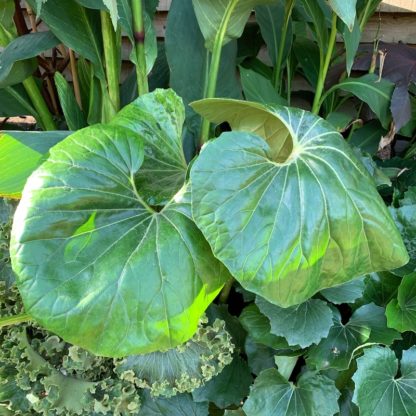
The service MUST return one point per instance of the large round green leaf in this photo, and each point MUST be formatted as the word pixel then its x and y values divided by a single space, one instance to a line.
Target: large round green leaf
pixel 99 267
pixel 289 210
pixel 158 118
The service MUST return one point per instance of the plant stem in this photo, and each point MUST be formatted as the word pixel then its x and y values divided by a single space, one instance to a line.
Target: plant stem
pixel 225 292
pixel 45 117
pixel 139 37
pixel 75 79
pixel 13 320
pixel 112 61
pixel 277 72
pixel 323 70
pixel 215 64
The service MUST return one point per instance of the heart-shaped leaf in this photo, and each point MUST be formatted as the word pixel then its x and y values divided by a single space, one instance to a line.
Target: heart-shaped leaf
pixel 96 264
pixel 258 327
pixel 303 324
pixel 367 324
pixel 289 209
pixel 401 312
pixel 379 390
pixel 272 394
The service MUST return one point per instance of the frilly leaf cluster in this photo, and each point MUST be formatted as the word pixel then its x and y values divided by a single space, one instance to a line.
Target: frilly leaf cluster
pixel 41 375
pixel 184 368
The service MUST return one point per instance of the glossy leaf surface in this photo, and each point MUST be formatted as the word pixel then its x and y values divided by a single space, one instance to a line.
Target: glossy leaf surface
pixel 379 389
pixel 158 118
pixel 303 324
pixel 346 293
pixel 20 154
pixel 228 388
pixel 76 27
pixel 254 206
pixel 345 10
pixel 374 92
pixel 272 394
pixel 367 324
pixel 22 48
pixel 258 327
pixel 74 116
pixel 401 311
pixel 99 267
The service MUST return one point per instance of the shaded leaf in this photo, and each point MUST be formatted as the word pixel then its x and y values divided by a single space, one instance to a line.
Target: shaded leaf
pixel 77 28
pixel 376 93
pixel 10 106
pixel 258 327
pixel 352 42
pixel 283 158
pixel 380 288
pixel 405 219
pixel 210 15
pixel 346 293
pixel 270 18
pixel 20 49
pixel 259 356
pixel 230 387
pixel 74 117
pixel 307 53
pixel 258 88
pixel 232 324
pixel 379 389
pixel 315 14
pixel 271 394
pixel 181 405
pixel 337 349
pixel 303 324
pixel 368 137
pixel 401 312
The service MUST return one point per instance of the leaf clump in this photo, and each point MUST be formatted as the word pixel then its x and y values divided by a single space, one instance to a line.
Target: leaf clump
pixel 184 368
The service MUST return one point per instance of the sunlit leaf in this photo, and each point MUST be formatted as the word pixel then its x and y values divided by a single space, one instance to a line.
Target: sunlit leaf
pixel 278 161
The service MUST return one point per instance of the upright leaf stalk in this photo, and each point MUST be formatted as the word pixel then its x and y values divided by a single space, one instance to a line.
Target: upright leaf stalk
pixel 45 117
pixel 324 67
pixel 139 37
pixel 112 59
pixel 215 64
pixel 277 73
